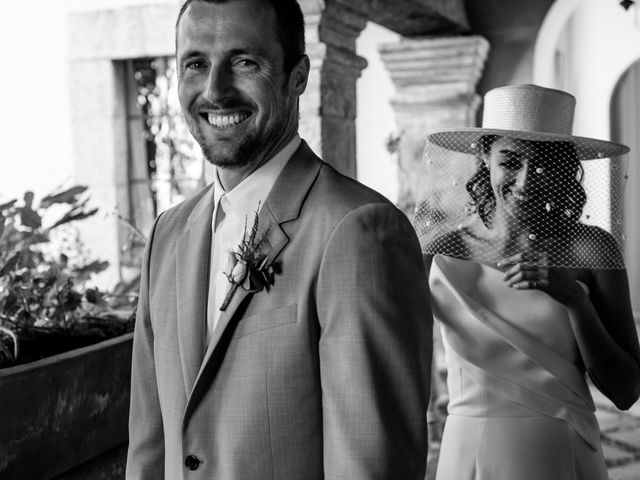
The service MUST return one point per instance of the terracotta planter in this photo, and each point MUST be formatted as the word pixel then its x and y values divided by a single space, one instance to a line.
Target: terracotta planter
pixel 61 411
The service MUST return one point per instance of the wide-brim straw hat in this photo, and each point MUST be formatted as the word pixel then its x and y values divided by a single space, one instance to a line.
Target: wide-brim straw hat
pixel 527 112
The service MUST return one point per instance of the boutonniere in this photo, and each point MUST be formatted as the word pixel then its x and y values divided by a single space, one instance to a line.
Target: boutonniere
pixel 247 264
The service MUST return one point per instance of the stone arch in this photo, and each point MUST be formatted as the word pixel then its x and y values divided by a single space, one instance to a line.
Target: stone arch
pixel 600 44
pixel 545 46
pixel 625 122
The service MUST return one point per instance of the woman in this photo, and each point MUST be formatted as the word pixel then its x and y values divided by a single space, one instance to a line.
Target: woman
pixel 529 296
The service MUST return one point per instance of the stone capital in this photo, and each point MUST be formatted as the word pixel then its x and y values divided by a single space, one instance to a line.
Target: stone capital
pixel 434 72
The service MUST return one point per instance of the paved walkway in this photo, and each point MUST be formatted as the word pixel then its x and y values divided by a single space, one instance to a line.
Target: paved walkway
pixel 620 433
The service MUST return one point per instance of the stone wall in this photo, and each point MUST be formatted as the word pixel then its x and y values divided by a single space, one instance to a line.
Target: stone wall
pixel 98 41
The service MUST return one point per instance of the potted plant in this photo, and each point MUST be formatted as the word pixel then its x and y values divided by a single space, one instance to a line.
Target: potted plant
pixel 65 347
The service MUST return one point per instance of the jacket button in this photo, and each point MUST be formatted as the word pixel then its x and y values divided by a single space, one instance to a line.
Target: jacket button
pixel 192 462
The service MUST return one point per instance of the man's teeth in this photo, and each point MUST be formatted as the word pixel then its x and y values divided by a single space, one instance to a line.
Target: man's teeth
pixel 222 121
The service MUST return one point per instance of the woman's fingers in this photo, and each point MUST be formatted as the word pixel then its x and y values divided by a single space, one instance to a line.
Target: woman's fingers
pixel 524 276
pixel 520 271
pixel 530 285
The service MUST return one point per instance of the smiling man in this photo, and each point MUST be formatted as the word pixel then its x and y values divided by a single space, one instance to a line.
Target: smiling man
pixel 306 355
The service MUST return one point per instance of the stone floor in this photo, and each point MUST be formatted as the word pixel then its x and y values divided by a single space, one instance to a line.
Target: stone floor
pixel 620 434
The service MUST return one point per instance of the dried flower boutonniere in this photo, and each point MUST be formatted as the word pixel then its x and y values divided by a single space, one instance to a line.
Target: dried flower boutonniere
pixel 247 265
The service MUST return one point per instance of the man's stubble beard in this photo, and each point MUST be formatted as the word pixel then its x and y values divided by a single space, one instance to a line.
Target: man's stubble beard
pixel 240 156
pixel 244 154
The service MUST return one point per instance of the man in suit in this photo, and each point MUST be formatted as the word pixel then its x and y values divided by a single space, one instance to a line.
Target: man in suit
pixel 308 355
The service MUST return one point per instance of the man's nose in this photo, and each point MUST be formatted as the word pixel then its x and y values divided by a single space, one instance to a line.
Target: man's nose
pixel 219 85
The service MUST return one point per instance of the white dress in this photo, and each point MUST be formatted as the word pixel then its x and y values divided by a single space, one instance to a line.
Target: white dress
pixel 519 403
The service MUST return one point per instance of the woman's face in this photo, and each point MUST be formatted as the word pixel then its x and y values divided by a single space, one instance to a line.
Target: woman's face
pixel 518 177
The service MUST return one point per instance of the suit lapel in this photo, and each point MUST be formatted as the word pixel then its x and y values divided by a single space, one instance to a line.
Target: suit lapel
pixel 192 271
pixel 282 205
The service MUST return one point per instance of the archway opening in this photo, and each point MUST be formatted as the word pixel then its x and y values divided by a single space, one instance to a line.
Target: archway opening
pixel 625 128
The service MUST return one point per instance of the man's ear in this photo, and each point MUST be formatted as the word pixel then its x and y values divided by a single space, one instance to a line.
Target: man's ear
pixel 300 75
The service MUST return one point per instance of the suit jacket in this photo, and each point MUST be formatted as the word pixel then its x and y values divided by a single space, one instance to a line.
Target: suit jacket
pixel 323 375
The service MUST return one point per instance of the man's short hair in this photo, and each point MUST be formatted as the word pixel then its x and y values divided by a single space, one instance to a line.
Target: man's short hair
pixel 290 27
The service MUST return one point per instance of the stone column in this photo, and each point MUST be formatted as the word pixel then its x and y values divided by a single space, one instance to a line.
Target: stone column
pixel 435 82
pixel 328 107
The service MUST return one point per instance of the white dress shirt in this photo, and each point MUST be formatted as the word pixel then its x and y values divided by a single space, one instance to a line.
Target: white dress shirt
pixel 238 204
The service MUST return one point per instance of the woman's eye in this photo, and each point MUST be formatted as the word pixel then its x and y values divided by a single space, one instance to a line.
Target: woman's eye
pixel 511 164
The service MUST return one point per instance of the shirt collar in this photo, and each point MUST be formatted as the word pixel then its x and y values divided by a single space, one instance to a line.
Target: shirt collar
pixel 243 200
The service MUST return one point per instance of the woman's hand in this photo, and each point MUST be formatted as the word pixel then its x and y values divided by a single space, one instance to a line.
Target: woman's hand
pixel 529 270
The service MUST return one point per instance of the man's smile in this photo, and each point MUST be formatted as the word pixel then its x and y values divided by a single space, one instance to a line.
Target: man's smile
pixel 226 120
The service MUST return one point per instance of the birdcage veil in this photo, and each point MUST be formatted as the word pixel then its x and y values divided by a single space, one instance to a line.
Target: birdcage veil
pixel 523 182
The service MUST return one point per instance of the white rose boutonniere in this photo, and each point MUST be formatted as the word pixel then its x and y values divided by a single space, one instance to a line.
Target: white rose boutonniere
pixel 246 264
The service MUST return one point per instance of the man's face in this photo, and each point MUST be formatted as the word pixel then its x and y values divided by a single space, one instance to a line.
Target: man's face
pixel 239 104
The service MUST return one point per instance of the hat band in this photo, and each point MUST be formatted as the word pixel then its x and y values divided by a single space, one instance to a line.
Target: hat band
pixel 528 123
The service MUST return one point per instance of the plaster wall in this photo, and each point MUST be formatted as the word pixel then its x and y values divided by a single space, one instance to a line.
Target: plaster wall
pixel 34 98
pixel 602 43
pixel 375 121
pixel 584 47
pixel 511 29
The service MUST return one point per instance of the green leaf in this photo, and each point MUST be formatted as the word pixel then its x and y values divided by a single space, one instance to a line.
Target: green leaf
pixel 10 265
pixel 30 218
pixel 28 198
pixel 96 266
pixel 71 217
pixel 7 205
pixel 68 196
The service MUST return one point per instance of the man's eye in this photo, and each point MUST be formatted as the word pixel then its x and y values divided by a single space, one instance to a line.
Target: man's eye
pixel 245 64
pixel 195 65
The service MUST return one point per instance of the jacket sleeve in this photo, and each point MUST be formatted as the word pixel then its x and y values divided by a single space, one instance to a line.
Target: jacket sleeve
pixel 145 456
pixel 375 348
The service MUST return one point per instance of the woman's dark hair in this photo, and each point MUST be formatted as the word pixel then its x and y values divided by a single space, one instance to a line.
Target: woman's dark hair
pixel 290 28
pixel 566 193
pixel 483 202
